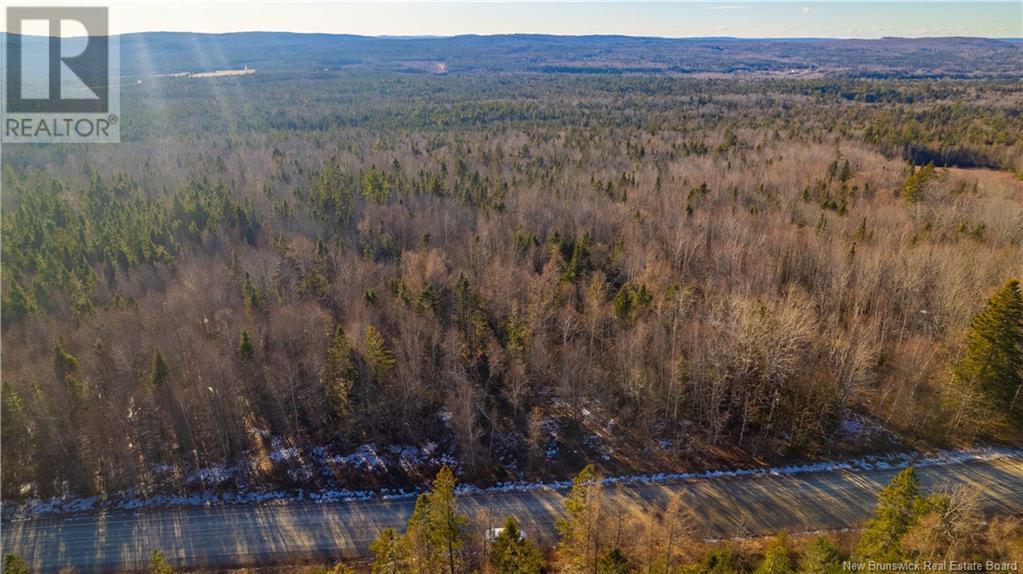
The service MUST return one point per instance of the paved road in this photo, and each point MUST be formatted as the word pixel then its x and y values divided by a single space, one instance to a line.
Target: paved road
pixel 259 534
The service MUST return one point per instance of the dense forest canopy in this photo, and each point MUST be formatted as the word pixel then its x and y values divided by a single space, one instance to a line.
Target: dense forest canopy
pixel 513 273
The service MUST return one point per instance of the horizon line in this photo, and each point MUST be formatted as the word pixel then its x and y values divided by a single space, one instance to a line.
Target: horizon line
pixel 537 34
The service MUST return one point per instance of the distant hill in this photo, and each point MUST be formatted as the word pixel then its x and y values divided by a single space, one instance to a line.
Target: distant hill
pixel 152 53
pixel 156 53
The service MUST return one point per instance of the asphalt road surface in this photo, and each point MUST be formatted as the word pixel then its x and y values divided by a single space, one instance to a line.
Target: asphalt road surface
pixel 260 534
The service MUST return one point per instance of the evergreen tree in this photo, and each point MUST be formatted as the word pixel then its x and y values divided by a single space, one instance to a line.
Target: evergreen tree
pixel 339 373
pixel 159 370
pixel 246 351
pixel 846 173
pixel 428 300
pixel 892 519
pixel 579 260
pixel 513 554
pixel 991 366
pixel 157 380
pixel 622 304
pixel 446 525
pixel 375 186
pixel 720 560
pixel 517 334
pixel 417 537
pixel 18 302
pixel 67 370
pixel 316 279
pixel 465 303
pixel 250 296
pixel 913 187
pixel 329 194
pixel 631 302
pixel 14 564
pixel 833 166
pixel 613 562
pixel 378 356
pixel 820 556
pixel 388 553
pixel 862 232
pixel 579 545
pixel 777 557
pixel 158 564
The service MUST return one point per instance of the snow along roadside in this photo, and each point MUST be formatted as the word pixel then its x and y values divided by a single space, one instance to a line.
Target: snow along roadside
pixel 74 505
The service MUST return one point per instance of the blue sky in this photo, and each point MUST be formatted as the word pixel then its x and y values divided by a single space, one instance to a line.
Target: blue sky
pixel 756 18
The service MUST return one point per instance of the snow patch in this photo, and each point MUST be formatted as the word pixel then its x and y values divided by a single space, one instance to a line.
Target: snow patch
pixel 550 429
pixel 211 475
pixel 283 454
pixel 364 458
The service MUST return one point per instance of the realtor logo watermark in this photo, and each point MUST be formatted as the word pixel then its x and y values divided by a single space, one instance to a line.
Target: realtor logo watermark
pixel 61 76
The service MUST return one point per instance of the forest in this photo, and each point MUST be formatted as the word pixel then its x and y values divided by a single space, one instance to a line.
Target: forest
pixel 353 278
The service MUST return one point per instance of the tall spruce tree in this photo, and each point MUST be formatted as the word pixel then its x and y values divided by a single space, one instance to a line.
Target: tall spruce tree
pixel 245 351
pixel 512 553
pixel 68 370
pixel 914 185
pixel 159 370
pixel 579 546
pixel 339 373
pixel 388 553
pixel 892 519
pixel 990 368
pixel 446 531
pixel 417 537
pixel 378 356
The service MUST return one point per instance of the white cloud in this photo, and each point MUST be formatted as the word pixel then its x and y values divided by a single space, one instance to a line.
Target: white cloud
pixel 807 9
pixel 726 7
